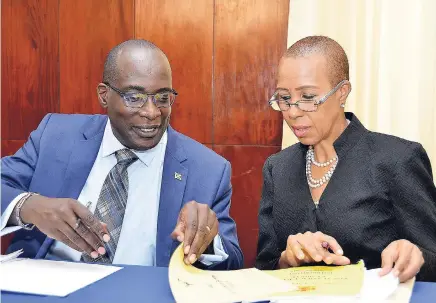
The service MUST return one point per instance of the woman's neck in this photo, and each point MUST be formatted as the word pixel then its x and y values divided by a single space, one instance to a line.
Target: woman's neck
pixel 324 150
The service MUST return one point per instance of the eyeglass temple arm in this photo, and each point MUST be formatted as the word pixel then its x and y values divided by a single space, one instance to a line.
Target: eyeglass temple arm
pixel 323 99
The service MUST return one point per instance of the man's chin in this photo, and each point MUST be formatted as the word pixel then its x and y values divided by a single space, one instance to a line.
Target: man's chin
pixel 144 144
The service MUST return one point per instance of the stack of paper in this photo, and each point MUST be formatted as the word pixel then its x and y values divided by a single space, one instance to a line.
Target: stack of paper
pixel 351 283
pixel 52 278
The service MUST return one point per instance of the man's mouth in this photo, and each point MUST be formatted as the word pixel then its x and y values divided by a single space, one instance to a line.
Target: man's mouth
pixel 146 131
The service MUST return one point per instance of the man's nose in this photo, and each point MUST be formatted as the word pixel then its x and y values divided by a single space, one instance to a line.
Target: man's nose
pixel 149 109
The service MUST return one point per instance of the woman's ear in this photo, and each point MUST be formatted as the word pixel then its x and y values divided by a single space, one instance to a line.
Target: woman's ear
pixel 345 91
pixel 102 92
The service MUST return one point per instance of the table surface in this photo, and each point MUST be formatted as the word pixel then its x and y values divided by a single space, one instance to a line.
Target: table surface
pixel 150 284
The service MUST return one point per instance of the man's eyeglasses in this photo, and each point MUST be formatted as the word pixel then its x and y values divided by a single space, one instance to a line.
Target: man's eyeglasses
pixel 137 100
pixel 280 101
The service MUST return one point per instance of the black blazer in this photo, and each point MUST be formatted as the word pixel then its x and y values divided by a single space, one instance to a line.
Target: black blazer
pixel 382 190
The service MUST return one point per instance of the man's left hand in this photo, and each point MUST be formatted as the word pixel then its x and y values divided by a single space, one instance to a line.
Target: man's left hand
pixel 407 258
pixel 197 226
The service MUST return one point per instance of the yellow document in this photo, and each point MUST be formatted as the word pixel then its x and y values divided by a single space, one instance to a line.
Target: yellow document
pixel 190 284
pixel 322 280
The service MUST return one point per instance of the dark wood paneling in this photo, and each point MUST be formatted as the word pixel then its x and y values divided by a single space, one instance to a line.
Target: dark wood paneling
pixel 9 147
pixel 250 37
pixel 30 82
pixel 184 31
pixel 247 163
pixel 88 30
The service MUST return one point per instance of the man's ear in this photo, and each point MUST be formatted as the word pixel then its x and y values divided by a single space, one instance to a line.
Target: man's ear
pixel 102 92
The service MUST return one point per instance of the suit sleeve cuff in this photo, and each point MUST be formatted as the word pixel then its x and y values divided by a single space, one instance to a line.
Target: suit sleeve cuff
pixel 219 253
pixel 7 214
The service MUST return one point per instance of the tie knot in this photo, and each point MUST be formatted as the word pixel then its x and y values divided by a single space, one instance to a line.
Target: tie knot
pixel 125 156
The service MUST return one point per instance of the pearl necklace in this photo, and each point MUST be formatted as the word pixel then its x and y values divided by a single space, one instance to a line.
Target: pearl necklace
pixel 310 159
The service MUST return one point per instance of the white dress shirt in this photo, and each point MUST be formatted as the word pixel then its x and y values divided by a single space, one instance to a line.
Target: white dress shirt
pixel 137 242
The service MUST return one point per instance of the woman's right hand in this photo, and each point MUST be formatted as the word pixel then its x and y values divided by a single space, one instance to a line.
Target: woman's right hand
pixel 308 248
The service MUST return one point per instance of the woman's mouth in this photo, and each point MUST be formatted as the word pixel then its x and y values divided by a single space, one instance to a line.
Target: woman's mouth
pixel 300 131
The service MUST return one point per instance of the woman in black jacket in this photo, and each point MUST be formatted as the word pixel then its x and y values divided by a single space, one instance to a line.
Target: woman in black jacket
pixel 343 193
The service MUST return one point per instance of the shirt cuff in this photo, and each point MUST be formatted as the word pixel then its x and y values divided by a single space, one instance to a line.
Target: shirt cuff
pixel 9 211
pixel 219 253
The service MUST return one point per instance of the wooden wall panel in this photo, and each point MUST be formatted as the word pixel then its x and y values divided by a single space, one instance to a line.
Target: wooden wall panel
pixel 30 81
pixel 9 147
pixel 88 30
pixel 247 163
pixel 249 37
pixel 184 31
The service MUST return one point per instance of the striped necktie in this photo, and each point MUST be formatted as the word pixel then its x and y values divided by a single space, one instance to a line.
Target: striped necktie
pixel 112 202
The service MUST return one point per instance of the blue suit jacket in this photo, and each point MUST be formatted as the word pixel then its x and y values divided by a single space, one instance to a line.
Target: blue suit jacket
pixel 57 159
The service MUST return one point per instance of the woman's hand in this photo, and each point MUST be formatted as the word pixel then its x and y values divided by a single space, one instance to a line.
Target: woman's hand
pixel 407 258
pixel 310 248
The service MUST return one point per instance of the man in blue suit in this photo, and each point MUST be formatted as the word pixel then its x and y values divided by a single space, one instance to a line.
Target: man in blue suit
pixel 124 188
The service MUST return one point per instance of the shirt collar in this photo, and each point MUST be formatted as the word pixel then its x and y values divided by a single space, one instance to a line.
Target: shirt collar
pixel 349 137
pixel 110 145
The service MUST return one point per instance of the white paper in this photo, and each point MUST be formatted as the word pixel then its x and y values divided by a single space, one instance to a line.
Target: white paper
pixel 374 289
pixel 51 278
pixel 11 256
pixel 8 230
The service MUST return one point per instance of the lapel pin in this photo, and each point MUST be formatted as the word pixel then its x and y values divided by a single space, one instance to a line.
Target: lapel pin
pixel 178 176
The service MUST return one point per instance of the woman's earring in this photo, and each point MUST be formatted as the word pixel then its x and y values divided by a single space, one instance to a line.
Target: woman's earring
pixel 343 105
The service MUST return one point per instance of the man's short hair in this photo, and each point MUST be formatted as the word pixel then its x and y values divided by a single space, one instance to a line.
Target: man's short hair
pixel 110 71
pixel 337 61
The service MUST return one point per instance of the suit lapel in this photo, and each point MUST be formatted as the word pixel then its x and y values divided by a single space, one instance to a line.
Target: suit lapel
pixel 174 178
pixel 82 158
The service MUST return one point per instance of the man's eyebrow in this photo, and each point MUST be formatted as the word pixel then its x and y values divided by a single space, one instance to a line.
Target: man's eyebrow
pixel 143 90
pixel 134 87
pixel 164 89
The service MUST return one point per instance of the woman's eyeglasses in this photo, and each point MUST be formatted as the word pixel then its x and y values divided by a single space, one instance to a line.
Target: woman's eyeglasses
pixel 280 100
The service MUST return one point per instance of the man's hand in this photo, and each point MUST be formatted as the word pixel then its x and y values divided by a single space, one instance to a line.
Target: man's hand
pixel 407 257
pixel 310 248
pixel 197 226
pixel 57 218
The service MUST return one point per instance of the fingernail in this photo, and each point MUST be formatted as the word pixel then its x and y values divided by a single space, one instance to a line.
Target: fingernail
pixel 180 239
pixel 106 238
pixel 318 258
pixel 300 256
pixel 101 250
pixel 328 260
pixel 187 248
pixel 340 252
pixel 396 273
pixel 94 255
pixel 192 259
